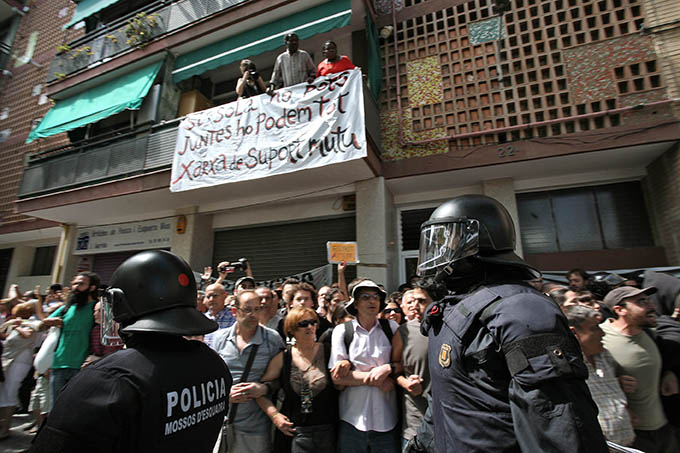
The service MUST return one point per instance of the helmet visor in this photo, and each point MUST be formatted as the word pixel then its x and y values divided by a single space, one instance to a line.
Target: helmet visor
pixel 444 243
pixel 109 327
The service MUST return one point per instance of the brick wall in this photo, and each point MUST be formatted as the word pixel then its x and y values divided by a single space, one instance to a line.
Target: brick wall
pixel 663 201
pixel 46 18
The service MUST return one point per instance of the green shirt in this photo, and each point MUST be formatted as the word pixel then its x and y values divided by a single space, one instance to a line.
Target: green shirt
pixel 74 341
pixel 638 356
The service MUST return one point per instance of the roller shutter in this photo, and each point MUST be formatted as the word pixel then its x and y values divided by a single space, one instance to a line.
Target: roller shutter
pixel 276 251
pixel 106 263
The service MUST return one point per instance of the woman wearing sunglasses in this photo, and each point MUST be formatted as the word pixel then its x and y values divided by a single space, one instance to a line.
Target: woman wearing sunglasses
pixel 394 312
pixel 309 413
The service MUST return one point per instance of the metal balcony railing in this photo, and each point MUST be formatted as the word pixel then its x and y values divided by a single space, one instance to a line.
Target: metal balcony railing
pixel 127 153
pixel 113 39
pixel 137 152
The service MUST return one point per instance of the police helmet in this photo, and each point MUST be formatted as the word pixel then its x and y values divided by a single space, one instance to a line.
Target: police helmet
pixel 469 226
pixel 155 291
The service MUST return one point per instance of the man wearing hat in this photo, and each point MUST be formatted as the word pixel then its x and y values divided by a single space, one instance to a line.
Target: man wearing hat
pixel 637 355
pixel 162 393
pixel 244 283
pixel 368 405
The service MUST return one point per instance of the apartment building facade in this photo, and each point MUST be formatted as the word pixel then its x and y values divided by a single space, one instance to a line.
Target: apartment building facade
pixel 564 110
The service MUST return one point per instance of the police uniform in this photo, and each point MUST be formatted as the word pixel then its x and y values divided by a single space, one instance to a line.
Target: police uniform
pixel 139 400
pixel 163 393
pixel 507 374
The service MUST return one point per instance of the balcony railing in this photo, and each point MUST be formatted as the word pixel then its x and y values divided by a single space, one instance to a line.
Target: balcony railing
pixel 114 39
pixel 137 152
pixel 119 155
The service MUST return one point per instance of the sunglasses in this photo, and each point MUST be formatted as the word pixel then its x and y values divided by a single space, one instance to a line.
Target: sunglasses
pixel 387 311
pixel 307 323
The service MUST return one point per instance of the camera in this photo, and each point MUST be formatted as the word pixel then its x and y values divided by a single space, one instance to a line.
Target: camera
pixel 234 266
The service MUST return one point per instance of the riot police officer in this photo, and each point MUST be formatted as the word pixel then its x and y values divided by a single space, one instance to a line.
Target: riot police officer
pixel 162 393
pixel 506 372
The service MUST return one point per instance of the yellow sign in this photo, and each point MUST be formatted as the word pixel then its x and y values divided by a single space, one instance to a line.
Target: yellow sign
pixel 342 251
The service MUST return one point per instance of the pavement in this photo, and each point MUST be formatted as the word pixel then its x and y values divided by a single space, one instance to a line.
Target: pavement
pixel 18 440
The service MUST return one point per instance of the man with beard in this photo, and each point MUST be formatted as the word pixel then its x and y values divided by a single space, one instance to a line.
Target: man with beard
pixel 636 355
pixel 76 321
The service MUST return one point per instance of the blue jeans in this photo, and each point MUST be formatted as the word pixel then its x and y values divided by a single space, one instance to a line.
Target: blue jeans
pixel 59 377
pixel 352 440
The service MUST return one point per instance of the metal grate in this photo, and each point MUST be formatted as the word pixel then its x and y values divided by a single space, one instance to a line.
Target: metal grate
pixel 61 171
pixel 160 149
pixel 127 157
pixel 93 165
pixel 525 76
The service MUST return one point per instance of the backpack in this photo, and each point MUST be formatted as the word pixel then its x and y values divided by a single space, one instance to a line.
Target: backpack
pixel 349 332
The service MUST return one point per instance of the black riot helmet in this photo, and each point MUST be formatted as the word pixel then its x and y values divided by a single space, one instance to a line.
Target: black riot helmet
pixel 155 291
pixel 464 227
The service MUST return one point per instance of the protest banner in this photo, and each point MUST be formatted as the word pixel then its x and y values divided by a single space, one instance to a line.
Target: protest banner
pixel 319 276
pixel 298 127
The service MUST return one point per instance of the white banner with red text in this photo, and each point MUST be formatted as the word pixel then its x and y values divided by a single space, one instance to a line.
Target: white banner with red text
pixel 299 127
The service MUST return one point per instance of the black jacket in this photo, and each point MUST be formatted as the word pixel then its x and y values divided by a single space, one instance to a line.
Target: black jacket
pixel 163 394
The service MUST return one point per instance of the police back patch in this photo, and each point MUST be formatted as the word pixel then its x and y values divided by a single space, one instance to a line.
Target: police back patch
pixel 445 356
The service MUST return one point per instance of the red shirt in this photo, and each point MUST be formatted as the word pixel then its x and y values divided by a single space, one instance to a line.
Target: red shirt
pixel 326 67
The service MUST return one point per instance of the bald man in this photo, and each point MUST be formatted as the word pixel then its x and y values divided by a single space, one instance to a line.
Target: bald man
pixel 215 297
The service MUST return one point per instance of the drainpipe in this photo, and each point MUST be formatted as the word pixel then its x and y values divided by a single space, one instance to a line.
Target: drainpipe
pixel 402 142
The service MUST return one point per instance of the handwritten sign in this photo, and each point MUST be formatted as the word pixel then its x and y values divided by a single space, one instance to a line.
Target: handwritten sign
pixel 149 234
pixel 299 127
pixel 342 251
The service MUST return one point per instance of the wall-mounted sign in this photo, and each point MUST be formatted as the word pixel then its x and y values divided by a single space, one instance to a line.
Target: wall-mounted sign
pixel 121 237
pixel 299 127
pixel 342 251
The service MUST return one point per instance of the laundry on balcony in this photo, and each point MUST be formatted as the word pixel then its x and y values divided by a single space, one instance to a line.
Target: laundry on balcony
pixel 125 92
pixel 319 19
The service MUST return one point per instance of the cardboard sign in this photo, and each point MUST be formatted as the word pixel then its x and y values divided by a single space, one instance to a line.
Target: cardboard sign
pixel 342 251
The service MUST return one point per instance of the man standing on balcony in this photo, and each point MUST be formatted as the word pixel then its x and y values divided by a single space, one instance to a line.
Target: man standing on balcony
pixel 292 66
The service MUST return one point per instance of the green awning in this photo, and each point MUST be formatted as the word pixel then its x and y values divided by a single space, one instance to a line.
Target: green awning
pixel 320 19
pixel 102 101
pixel 86 8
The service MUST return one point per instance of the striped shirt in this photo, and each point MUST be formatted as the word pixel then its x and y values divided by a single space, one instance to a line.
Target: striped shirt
pixel 291 69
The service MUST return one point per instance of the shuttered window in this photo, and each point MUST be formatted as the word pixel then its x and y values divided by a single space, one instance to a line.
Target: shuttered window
pixel 276 251
pixel 587 218
pixel 411 221
pixel 105 264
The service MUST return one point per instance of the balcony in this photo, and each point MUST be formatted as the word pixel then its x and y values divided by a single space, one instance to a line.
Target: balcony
pixel 144 149
pixel 135 30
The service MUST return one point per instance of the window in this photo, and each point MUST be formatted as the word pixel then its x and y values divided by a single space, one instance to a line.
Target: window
pixel 43 260
pixel 410 227
pixel 410 222
pixel 588 218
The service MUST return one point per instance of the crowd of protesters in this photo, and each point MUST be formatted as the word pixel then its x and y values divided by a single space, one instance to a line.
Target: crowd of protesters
pixel 344 367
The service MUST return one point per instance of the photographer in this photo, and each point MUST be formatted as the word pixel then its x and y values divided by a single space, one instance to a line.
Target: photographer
pixel 251 84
